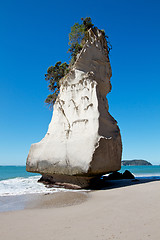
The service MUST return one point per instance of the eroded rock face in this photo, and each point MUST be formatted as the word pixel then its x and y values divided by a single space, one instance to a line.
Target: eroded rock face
pixel 83 139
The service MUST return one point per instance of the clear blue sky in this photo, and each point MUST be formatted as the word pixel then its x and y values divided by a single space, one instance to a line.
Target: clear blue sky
pixel 34 36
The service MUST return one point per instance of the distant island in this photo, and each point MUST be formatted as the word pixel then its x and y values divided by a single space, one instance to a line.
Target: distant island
pixel 135 163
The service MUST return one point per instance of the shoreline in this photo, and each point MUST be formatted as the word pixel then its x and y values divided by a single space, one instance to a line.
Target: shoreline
pixel 126 212
pixel 64 197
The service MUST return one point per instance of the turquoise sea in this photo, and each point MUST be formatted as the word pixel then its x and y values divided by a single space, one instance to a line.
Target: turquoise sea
pixel 143 171
pixel 8 172
pixel 14 180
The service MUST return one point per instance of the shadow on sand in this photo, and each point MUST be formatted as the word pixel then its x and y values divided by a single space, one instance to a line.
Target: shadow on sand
pixel 105 184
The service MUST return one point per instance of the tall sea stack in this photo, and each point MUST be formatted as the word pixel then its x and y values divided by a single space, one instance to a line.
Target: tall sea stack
pixel 83 140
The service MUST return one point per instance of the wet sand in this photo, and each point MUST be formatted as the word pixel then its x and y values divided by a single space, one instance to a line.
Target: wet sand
pixel 125 210
pixel 48 200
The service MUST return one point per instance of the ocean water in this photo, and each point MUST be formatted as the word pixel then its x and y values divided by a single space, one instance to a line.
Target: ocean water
pixel 9 172
pixel 14 180
pixel 143 171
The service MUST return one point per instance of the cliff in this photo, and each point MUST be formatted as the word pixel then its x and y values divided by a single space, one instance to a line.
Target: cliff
pixel 83 140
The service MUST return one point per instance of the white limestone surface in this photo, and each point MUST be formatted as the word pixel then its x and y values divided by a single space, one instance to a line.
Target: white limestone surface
pixel 83 139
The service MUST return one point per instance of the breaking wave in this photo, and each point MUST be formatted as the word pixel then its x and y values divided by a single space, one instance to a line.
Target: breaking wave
pixel 20 186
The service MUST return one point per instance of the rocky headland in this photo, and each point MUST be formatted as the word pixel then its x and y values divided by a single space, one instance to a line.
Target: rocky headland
pixel 135 162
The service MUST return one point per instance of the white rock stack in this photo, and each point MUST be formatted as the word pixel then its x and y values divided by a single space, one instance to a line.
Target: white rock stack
pixel 83 140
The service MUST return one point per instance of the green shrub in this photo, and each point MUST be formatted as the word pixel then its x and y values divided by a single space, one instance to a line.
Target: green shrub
pixel 53 76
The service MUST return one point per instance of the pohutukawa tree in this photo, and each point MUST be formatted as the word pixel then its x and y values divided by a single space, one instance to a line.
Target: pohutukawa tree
pixel 53 76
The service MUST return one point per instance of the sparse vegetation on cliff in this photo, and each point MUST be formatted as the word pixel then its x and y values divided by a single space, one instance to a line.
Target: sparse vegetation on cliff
pixel 77 38
pixel 53 76
pixel 77 34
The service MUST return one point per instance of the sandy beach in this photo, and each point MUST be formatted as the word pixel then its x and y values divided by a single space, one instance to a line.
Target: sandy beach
pixel 122 211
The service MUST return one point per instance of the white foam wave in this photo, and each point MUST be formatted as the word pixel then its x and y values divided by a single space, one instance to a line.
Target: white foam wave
pixel 20 186
pixel 147 175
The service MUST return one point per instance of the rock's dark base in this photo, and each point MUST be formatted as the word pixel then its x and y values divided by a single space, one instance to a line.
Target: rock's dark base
pixel 78 182
pixel 70 182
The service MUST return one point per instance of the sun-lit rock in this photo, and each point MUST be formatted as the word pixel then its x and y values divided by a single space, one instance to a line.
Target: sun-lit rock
pixel 83 140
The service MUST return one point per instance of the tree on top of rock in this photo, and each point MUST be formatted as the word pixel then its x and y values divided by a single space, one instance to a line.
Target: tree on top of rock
pixel 77 34
pixel 77 38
